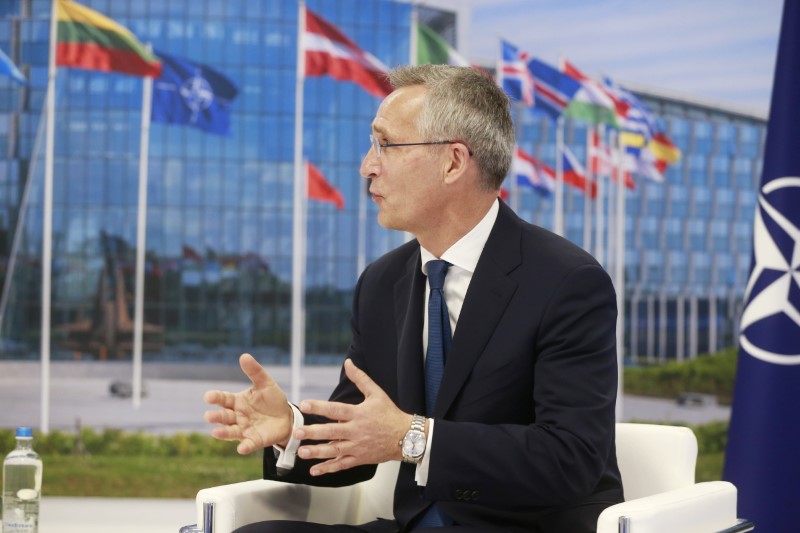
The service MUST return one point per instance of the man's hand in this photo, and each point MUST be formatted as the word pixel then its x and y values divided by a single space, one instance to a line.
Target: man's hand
pixel 257 417
pixel 367 433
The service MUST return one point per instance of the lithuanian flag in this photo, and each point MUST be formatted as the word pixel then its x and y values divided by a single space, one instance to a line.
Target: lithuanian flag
pixel 86 39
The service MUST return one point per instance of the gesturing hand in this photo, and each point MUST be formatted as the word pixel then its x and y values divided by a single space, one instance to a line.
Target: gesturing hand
pixel 367 433
pixel 257 417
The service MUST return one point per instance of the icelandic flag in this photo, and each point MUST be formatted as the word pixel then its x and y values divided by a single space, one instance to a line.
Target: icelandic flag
pixel 529 172
pixel 8 68
pixel 554 89
pixel 192 94
pixel 513 76
pixel 763 453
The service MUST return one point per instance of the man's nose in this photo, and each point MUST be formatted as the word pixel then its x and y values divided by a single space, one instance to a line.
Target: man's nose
pixel 370 165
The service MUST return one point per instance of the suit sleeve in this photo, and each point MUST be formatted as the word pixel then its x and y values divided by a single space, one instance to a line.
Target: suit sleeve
pixel 560 455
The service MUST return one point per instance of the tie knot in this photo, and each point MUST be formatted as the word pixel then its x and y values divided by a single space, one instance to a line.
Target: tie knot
pixel 437 270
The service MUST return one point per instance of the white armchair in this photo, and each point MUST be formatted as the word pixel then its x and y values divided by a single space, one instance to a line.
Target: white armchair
pixel 657 464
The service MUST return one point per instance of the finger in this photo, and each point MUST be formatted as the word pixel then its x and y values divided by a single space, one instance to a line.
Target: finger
pixel 255 372
pixel 324 451
pixel 329 432
pixel 334 465
pixel 220 398
pixel 227 433
pixel 332 410
pixel 220 416
pixel 246 447
pixel 361 379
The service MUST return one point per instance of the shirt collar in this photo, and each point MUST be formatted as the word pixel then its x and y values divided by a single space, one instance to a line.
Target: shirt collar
pixel 467 250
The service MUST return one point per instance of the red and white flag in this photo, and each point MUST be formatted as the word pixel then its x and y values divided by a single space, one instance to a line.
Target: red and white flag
pixel 320 189
pixel 330 52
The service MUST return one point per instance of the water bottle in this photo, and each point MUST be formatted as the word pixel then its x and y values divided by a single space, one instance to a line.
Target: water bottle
pixel 22 486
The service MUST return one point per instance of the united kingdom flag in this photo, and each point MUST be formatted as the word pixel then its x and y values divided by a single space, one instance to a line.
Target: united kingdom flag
pixel 513 74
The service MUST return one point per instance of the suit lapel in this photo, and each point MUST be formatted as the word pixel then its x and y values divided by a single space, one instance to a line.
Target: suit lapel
pixel 487 298
pixel 409 300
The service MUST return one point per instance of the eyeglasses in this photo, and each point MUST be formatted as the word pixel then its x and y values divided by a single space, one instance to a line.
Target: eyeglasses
pixel 377 146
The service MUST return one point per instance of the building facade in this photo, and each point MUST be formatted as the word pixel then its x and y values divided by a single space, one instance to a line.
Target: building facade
pixel 219 220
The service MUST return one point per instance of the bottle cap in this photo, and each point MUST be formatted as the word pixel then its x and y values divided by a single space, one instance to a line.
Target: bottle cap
pixel 24 432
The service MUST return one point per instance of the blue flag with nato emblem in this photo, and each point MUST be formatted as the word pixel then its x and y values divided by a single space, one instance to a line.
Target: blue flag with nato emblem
pixel 192 94
pixel 763 453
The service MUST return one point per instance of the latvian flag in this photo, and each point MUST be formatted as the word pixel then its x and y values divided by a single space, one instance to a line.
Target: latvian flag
pixel 330 52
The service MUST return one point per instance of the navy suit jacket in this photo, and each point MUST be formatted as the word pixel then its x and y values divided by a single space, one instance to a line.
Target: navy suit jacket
pixel 524 421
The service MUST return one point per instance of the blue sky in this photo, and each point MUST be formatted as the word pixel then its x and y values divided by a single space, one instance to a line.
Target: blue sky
pixel 718 50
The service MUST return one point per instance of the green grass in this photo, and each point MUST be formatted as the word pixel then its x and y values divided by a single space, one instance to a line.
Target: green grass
pixel 709 374
pixel 138 465
pixel 709 466
pixel 143 476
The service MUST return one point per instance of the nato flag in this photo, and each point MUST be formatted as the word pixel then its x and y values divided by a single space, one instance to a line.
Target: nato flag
pixel 192 94
pixel 763 454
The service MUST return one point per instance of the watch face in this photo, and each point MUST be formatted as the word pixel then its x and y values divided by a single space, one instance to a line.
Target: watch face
pixel 414 444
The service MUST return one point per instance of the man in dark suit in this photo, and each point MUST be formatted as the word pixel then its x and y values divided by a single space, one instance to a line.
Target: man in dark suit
pixel 518 430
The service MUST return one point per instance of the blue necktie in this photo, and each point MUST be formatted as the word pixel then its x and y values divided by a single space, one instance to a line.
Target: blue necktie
pixel 439 337
pixel 438 333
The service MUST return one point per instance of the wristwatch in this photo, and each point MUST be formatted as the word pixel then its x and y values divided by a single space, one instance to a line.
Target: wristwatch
pixel 413 444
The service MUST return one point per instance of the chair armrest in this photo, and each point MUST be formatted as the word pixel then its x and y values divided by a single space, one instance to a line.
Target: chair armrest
pixel 239 504
pixel 701 508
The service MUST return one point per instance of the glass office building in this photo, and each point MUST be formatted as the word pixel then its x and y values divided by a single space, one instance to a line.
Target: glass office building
pixel 687 239
pixel 219 220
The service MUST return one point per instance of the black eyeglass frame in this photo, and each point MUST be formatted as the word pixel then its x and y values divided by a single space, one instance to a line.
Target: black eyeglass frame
pixel 377 146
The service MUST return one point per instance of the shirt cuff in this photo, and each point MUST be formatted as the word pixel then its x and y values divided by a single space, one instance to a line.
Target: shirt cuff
pixel 421 475
pixel 285 456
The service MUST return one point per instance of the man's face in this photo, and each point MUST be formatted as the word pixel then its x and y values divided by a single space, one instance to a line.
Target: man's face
pixel 406 181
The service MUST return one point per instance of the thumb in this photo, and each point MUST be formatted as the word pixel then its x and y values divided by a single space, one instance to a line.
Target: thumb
pixel 255 372
pixel 361 379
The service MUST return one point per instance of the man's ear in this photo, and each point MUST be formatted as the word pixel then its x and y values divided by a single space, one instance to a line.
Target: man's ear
pixel 457 163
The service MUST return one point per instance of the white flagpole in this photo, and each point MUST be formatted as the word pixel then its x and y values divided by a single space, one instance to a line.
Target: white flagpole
pixel 613 181
pixel 299 216
pixel 47 225
pixel 619 268
pixel 587 200
pixel 599 236
pixel 141 237
pixel 558 204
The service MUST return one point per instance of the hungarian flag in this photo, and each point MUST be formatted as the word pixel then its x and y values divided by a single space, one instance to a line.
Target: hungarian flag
pixel 591 102
pixel 86 39
pixel 432 49
pixel 320 189
pixel 330 52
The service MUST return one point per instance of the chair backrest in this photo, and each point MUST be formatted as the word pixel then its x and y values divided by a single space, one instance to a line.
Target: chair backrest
pixel 654 458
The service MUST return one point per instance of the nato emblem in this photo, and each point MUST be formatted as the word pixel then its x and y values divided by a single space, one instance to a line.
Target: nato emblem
pixel 770 327
pixel 197 94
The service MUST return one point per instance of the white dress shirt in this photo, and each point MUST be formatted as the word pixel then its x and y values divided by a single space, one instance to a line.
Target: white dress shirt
pixel 463 257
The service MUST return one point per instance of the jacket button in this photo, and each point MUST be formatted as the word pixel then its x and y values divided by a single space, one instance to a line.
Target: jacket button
pixel 459 494
pixel 474 495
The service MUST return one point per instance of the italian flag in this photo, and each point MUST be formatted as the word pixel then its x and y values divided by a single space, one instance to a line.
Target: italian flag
pixel 431 48
pixel 88 40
